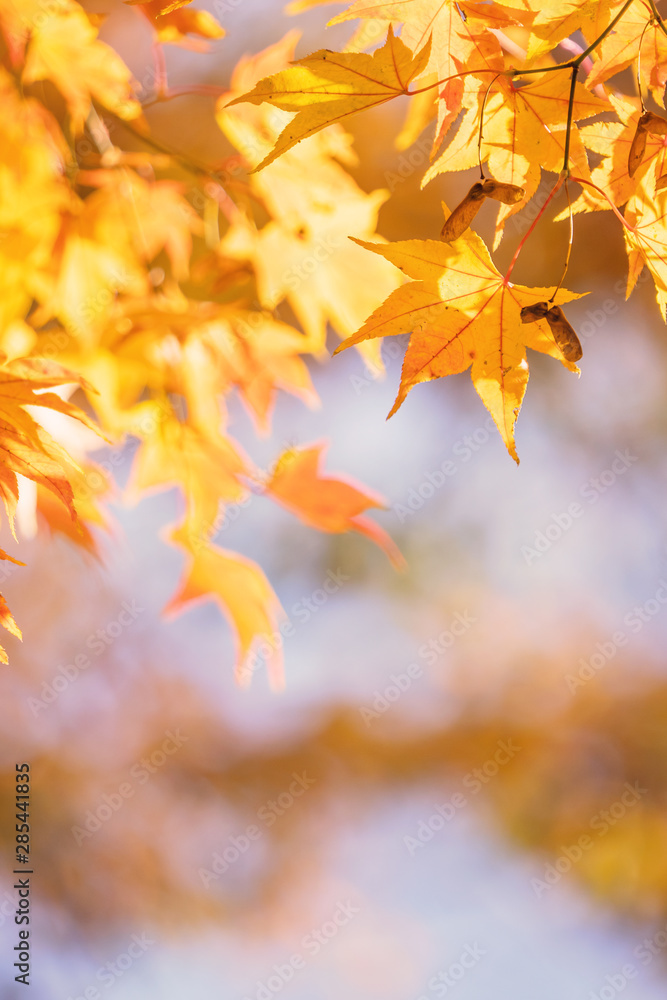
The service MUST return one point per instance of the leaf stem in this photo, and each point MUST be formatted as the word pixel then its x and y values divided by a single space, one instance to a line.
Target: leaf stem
pixel 582 180
pixel 481 127
pixel 600 38
pixel 552 193
pixel 196 169
pixel 455 76
pixel 639 66
pixel 656 15
pixel 198 90
pixel 568 127
pixel 569 245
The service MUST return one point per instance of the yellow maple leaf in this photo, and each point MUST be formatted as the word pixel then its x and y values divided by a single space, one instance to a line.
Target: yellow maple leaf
pixel 35 192
pixel 458 37
pixel 245 596
pixel 304 255
pixel 178 454
pixel 550 21
pixel 463 313
pixel 65 50
pixel 259 355
pixel 621 48
pixel 525 132
pixel 327 86
pixel 645 234
pixel 613 141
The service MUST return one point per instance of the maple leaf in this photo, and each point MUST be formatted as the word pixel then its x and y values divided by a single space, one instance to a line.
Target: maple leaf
pixel 158 7
pixel 327 86
pixel 174 22
pixel 303 254
pixel 298 6
pixel 26 448
pixel 613 141
pixel 621 48
pixel 205 464
pixel 458 37
pixel 89 485
pixel 646 235
pixel 525 131
pixel 329 503
pixel 463 313
pixel 259 355
pixel 34 195
pixel 64 49
pixel 6 618
pixel 245 597
pixel 554 20
pixel 99 255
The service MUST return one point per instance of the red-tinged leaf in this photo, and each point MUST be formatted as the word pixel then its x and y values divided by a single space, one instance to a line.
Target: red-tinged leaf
pixel 328 503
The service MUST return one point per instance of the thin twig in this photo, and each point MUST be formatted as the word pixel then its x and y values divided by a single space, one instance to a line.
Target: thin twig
pixel 639 66
pixel 656 15
pixel 481 127
pixel 570 113
pixel 569 245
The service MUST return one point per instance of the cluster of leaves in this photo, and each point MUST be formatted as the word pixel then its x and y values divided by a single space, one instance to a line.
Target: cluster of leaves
pixel 168 284
pixel 492 69
pixel 152 283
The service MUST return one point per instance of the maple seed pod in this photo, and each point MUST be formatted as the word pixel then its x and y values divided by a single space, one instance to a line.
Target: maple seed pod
pixel 530 314
pixel 648 123
pixel 463 214
pixel 509 194
pixel 564 334
pixel 654 123
pixel 637 149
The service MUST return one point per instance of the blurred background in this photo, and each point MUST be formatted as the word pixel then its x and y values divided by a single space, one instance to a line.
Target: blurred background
pixel 463 787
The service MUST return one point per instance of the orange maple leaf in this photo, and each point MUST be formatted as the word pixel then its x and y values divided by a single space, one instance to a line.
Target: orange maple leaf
pixel 329 503
pixel 463 313
pixel 173 22
pixel 245 597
